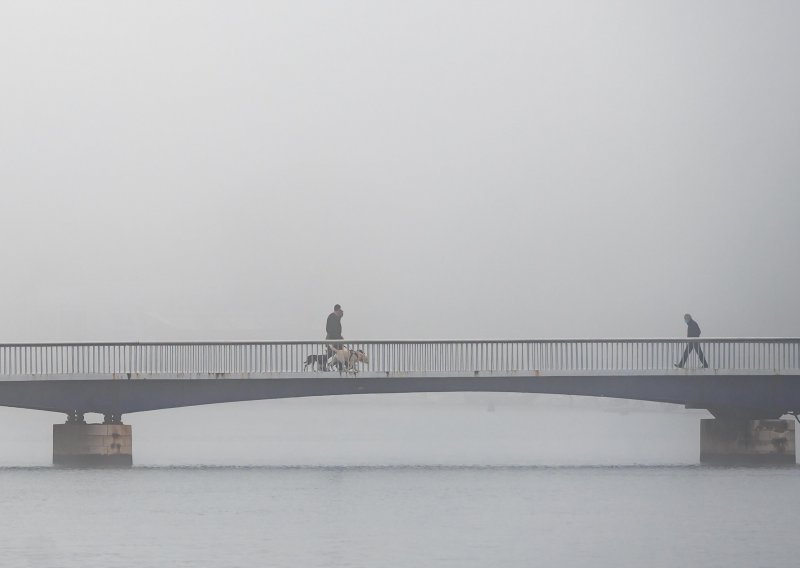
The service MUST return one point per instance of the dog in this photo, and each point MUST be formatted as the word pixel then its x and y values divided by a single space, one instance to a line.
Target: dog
pixel 346 359
pixel 361 357
pixel 316 362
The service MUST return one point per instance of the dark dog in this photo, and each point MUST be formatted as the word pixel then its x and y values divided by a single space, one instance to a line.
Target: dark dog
pixel 316 362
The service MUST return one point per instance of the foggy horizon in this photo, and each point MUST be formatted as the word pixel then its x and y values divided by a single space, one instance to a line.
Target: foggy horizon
pixel 443 170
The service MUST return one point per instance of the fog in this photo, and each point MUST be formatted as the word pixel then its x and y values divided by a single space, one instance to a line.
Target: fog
pixel 443 170
pixel 229 171
pixel 396 430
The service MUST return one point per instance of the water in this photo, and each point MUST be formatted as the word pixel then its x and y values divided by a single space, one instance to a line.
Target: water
pixel 504 484
pixel 394 516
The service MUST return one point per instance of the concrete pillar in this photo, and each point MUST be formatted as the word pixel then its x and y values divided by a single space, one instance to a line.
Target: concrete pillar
pixel 92 445
pixel 735 441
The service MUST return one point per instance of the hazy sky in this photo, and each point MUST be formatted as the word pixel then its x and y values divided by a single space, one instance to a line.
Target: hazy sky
pixel 443 169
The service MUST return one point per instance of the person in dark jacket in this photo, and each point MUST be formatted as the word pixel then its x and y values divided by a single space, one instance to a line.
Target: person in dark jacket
pixel 333 327
pixel 692 330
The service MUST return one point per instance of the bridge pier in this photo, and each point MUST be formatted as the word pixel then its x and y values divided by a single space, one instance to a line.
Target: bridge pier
pixel 739 441
pixel 77 444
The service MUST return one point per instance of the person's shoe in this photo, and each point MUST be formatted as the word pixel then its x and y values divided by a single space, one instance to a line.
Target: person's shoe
pixel 705 365
pixel 678 365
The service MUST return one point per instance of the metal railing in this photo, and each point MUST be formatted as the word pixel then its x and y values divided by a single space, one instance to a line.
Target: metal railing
pixel 579 355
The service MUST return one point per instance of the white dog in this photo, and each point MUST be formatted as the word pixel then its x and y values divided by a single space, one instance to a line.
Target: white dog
pixel 346 359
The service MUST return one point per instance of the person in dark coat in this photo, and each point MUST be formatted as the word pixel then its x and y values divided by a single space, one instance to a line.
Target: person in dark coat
pixel 333 327
pixel 692 330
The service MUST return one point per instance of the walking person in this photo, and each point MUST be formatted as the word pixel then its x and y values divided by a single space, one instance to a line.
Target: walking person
pixel 333 327
pixel 692 330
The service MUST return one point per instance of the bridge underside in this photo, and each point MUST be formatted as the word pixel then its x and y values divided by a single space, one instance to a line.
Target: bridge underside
pixel 735 395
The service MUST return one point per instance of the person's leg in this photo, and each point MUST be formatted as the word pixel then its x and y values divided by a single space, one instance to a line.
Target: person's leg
pixel 686 351
pixel 338 347
pixel 699 351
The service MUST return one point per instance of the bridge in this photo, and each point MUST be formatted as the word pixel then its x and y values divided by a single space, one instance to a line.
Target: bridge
pixel 749 383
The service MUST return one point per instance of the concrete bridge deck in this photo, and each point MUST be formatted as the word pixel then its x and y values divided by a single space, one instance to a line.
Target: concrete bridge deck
pixel 748 385
pixel 745 375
